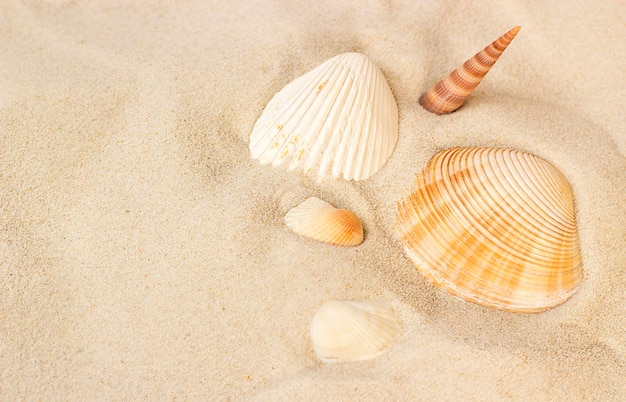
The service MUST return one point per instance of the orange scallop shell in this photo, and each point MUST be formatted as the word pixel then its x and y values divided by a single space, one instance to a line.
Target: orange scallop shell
pixel 495 227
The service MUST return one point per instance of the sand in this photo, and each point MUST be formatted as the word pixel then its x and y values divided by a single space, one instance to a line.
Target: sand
pixel 143 253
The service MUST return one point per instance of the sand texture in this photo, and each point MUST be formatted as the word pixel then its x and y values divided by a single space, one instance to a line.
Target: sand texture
pixel 143 253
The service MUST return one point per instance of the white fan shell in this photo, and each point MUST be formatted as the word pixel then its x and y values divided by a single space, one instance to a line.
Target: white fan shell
pixel 339 117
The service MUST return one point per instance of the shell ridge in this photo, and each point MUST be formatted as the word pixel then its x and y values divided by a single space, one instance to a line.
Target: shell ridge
pixel 456 215
pixel 436 216
pixel 511 213
pixel 345 136
pixel 378 147
pixel 335 160
pixel 331 160
pixel 533 197
pixel 327 136
pixel 269 122
pixel 343 231
pixel 326 231
pixel 361 130
pixel 343 158
pixel 266 124
pixel 540 193
pixel 554 186
pixel 504 191
pixel 502 203
pixel 530 200
pixel 318 115
pixel 369 162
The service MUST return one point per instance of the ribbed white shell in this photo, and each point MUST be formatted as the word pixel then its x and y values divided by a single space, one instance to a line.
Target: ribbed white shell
pixel 319 220
pixel 353 330
pixel 341 116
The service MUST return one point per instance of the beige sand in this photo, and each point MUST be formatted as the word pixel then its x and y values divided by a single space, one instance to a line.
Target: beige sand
pixel 143 253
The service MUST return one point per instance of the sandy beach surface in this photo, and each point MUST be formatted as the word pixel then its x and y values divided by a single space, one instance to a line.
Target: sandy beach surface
pixel 143 253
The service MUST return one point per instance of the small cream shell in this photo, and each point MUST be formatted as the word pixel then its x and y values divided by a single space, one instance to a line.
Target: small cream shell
pixel 319 220
pixel 339 117
pixel 353 330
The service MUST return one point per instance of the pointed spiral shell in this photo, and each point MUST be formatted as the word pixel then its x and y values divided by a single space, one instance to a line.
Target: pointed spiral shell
pixel 449 94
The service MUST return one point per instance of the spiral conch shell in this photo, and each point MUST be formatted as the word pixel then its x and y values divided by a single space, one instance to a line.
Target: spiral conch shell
pixel 340 117
pixel 321 221
pixel 495 227
pixel 449 94
pixel 353 330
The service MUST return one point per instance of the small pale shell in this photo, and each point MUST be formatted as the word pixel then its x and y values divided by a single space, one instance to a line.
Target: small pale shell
pixel 495 227
pixel 353 330
pixel 340 117
pixel 449 94
pixel 319 220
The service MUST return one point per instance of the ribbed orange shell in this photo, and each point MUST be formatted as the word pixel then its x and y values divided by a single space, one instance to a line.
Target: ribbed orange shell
pixel 319 220
pixel 495 227
pixel 449 94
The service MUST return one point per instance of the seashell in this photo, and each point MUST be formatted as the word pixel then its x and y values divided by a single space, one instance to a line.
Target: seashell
pixel 495 227
pixel 319 220
pixel 449 94
pixel 341 116
pixel 353 330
